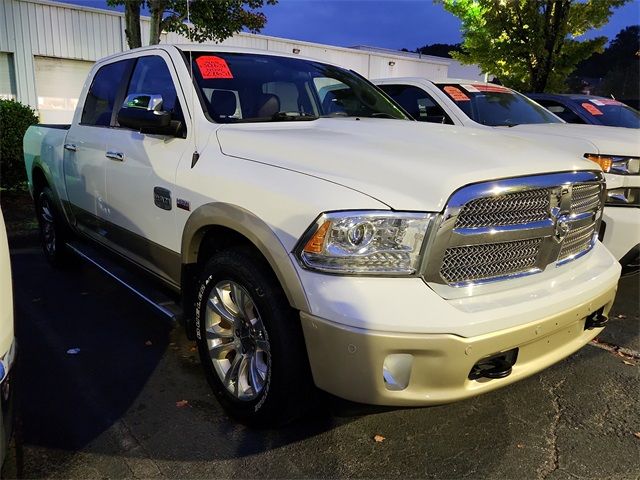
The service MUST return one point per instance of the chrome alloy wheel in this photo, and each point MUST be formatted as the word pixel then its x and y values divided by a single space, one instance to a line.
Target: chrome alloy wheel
pixel 46 225
pixel 237 340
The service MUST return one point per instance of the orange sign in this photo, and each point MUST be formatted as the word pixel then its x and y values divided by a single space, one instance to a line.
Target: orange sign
pixel 593 110
pixel 213 67
pixel 456 94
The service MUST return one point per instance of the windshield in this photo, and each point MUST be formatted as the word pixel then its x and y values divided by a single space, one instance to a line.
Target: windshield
pixel 496 106
pixel 240 87
pixel 611 112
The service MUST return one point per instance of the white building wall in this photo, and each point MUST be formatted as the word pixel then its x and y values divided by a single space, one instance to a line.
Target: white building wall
pixel 43 28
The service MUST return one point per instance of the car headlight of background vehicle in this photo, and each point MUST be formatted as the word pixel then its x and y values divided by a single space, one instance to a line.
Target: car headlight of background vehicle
pixel 626 196
pixel 365 242
pixel 617 164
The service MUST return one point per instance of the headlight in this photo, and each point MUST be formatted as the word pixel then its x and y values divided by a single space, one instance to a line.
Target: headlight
pixel 369 243
pixel 616 163
pixel 629 197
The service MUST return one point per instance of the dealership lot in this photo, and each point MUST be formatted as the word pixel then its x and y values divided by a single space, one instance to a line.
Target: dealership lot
pixel 132 402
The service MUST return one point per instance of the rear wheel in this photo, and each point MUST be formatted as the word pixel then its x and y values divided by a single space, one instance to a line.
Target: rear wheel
pixel 250 341
pixel 53 231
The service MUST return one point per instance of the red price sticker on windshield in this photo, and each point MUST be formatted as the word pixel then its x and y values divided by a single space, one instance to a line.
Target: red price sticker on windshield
pixel 213 67
pixel 592 109
pixel 457 94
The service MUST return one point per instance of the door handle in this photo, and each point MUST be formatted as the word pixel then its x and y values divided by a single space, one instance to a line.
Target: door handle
pixel 70 146
pixel 118 156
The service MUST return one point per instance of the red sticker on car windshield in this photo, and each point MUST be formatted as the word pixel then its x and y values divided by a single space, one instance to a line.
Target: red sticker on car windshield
pixel 484 87
pixel 456 94
pixel 213 67
pixel 593 110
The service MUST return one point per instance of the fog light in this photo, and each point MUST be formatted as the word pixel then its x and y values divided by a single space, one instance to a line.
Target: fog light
pixel 396 371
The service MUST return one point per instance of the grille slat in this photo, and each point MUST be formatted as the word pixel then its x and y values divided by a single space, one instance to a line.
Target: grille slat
pixel 508 209
pixel 585 197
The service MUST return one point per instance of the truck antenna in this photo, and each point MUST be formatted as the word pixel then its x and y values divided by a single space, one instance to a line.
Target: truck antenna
pixel 196 156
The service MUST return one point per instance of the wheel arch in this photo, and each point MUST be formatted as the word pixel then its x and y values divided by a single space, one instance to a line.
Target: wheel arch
pixel 242 227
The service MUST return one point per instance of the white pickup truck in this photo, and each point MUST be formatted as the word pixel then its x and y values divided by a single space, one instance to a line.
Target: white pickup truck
pixel 314 236
pixel 480 105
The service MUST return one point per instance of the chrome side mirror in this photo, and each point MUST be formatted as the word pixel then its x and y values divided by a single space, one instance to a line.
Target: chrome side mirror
pixel 144 101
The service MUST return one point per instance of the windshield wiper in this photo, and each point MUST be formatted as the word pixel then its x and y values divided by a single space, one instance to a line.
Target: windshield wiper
pixel 286 116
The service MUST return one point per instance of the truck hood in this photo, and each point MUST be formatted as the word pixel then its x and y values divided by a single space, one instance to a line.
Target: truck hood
pixel 406 165
pixel 606 140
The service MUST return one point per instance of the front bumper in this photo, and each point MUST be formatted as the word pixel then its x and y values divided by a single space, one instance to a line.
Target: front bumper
pixel 621 235
pixel 349 362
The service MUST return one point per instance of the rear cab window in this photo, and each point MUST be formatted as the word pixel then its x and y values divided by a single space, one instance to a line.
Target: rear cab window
pixel 98 109
pixel 495 105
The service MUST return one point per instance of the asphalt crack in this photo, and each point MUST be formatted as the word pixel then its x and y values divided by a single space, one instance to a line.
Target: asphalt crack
pixel 553 463
pixel 623 352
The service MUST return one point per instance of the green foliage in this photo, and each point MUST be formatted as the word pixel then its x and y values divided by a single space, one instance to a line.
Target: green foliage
pixel 618 66
pixel 211 20
pixel 439 49
pixel 15 118
pixel 530 45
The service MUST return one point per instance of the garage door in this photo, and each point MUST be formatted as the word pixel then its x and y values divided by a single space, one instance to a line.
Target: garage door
pixel 59 82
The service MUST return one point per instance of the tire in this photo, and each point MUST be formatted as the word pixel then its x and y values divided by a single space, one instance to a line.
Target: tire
pixel 53 231
pixel 254 358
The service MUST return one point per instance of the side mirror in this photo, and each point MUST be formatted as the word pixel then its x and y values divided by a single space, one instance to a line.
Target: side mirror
pixel 143 112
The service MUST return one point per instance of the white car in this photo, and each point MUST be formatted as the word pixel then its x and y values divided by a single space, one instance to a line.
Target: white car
pixel 475 104
pixel 314 235
pixel 7 344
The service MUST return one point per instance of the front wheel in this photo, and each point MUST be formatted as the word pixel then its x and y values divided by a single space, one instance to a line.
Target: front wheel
pixel 250 341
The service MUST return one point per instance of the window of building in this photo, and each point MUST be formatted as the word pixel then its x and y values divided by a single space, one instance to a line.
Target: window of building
pixel 7 77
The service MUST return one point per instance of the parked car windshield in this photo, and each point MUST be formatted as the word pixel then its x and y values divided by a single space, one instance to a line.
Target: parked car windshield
pixel 496 106
pixel 240 87
pixel 611 112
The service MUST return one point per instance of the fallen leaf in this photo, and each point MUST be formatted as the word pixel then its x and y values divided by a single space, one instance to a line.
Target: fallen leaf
pixel 148 343
pixel 378 438
pixel 520 445
pixel 637 434
pixel 73 351
pixel 192 349
pixel 627 362
pixel 182 403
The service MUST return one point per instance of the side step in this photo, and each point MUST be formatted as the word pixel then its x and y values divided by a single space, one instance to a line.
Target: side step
pixel 129 278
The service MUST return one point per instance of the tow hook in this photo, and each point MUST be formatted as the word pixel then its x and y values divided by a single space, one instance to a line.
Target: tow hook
pixel 495 366
pixel 596 320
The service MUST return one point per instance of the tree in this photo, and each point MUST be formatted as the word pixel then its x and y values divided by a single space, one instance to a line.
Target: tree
pixel 439 49
pixel 530 45
pixel 210 20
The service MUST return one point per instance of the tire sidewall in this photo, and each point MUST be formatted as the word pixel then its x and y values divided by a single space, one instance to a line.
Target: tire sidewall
pixel 54 257
pixel 235 267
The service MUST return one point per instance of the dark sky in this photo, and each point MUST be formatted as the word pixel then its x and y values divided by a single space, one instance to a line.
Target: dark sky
pixel 381 23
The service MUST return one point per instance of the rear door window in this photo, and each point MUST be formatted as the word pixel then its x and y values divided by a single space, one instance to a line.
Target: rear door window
pixel 98 107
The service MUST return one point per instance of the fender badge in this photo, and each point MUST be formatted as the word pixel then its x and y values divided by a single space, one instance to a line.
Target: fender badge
pixel 183 204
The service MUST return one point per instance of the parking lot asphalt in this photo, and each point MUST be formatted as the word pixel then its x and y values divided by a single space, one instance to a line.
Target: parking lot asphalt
pixel 132 403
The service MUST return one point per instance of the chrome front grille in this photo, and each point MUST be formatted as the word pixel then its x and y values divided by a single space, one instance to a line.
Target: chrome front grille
pixel 509 209
pixel 514 227
pixel 472 262
pixel 579 239
pixel 585 197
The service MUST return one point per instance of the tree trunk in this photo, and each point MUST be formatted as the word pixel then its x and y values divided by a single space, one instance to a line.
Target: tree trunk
pixel 157 8
pixel 132 23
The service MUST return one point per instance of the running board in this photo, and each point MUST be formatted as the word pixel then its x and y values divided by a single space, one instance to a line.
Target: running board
pixel 135 283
